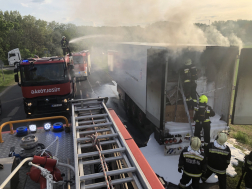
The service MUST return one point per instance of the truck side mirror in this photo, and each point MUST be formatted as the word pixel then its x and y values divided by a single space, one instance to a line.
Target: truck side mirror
pixel 16 78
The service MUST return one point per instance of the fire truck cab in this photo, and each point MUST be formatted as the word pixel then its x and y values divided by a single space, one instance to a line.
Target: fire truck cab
pixel 82 64
pixel 47 84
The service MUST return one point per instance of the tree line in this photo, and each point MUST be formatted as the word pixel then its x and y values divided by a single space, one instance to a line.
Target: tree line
pixel 38 37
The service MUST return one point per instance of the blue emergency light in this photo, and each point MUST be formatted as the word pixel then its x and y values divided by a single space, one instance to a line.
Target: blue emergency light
pixel 22 131
pixel 58 127
pixel 25 61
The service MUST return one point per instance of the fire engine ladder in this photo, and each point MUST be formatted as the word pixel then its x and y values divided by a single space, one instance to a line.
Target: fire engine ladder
pixel 180 87
pixel 90 117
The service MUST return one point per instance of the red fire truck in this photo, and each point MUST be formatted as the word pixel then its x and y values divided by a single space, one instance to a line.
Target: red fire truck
pixel 82 64
pixel 47 84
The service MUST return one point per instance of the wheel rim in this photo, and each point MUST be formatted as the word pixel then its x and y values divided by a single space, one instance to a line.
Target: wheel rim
pixel 127 107
pixel 140 117
pixel 133 109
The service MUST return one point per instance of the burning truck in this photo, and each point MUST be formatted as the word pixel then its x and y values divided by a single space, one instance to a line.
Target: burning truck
pixel 148 81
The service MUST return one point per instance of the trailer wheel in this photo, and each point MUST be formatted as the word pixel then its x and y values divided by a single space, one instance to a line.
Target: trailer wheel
pixel 127 105
pixel 133 110
pixel 16 64
pixel 88 70
pixel 141 118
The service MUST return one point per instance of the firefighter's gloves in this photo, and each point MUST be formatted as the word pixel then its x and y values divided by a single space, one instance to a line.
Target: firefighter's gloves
pixel 180 169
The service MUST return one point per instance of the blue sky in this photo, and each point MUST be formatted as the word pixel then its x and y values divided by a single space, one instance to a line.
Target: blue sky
pixel 130 12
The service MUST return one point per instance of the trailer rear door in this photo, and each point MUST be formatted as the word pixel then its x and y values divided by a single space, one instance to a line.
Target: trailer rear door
pixel 242 102
pixel 157 65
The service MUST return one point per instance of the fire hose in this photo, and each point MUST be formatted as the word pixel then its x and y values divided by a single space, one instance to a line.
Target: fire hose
pixel 97 144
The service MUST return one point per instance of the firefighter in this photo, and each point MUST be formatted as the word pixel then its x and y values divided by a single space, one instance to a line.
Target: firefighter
pixel 192 162
pixel 64 46
pixel 201 117
pixel 218 160
pixel 189 76
pixel 248 170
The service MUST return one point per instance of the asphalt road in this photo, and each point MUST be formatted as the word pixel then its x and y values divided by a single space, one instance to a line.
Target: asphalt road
pixel 99 84
pixel 9 68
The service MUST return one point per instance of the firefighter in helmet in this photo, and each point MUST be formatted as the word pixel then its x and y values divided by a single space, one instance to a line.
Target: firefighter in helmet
pixel 218 160
pixel 202 115
pixel 64 46
pixel 192 162
pixel 247 170
pixel 189 75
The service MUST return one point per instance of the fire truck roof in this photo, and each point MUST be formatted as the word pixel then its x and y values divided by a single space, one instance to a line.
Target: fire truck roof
pixel 46 60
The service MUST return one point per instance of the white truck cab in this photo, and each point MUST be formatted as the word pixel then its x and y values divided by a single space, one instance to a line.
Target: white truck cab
pixel 14 57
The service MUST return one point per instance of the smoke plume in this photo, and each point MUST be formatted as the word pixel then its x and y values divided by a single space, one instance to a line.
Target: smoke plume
pixel 176 20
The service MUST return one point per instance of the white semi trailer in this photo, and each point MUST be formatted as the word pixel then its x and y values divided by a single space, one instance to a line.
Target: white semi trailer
pixel 147 77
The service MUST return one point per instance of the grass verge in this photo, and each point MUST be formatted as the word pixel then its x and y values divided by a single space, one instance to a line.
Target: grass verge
pixel 233 181
pixel 243 134
pixel 8 79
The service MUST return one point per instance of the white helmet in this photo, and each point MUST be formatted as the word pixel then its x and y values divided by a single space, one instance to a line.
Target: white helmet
pixel 195 143
pixel 222 138
pixel 188 62
pixel 63 37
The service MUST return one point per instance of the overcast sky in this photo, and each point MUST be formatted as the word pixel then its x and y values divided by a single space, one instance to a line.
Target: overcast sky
pixel 130 12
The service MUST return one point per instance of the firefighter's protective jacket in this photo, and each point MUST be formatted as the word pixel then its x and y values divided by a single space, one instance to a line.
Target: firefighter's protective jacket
pixel 218 158
pixel 193 163
pixel 248 163
pixel 64 43
pixel 188 73
pixel 203 112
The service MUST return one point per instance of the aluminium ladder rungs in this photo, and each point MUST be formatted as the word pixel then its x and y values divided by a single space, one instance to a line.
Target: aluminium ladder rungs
pixel 92 121
pixel 101 143
pixel 87 109
pixel 91 116
pixel 99 161
pixel 114 182
pixel 89 154
pixel 87 122
pixel 109 173
pixel 95 125
pixel 93 131
pixel 99 137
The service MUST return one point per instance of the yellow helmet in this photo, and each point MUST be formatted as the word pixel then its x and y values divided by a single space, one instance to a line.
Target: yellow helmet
pixel 195 143
pixel 203 99
pixel 222 138
pixel 188 62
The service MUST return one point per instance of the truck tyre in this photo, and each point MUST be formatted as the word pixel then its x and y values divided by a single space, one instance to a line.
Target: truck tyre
pixel 141 118
pixel 15 64
pixel 127 106
pixel 133 110
pixel 88 70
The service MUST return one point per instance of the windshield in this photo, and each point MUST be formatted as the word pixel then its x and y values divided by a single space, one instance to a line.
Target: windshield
pixel 79 59
pixel 43 73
